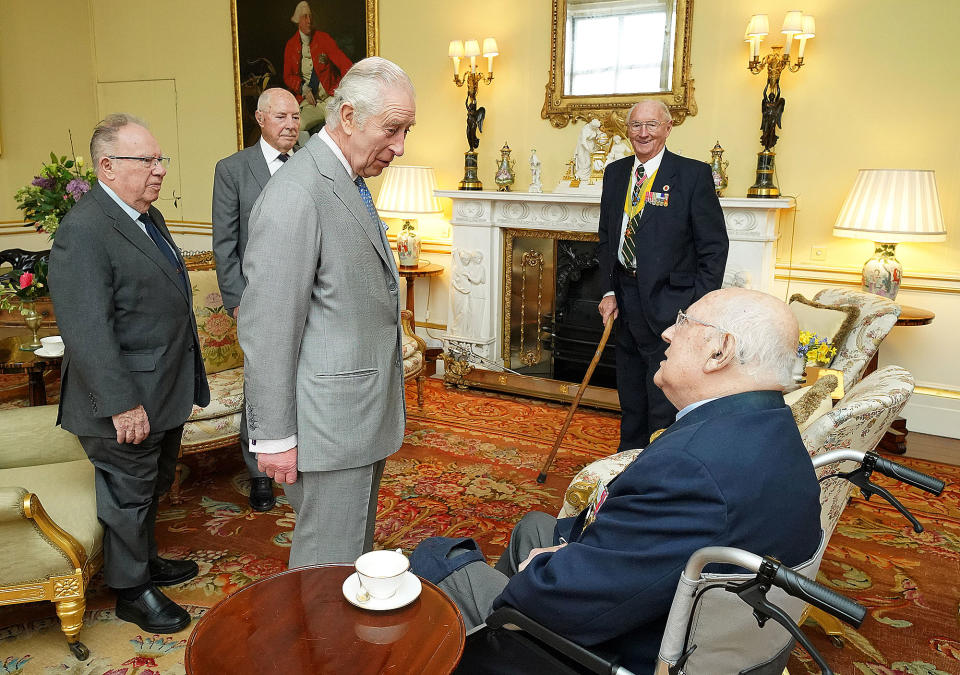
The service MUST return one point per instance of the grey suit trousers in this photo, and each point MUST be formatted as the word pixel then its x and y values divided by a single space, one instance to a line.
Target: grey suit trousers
pixel 475 586
pixel 336 514
pixel 130 479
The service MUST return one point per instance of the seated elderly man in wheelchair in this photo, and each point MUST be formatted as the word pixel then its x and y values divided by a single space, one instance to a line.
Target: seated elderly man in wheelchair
pixel 731 471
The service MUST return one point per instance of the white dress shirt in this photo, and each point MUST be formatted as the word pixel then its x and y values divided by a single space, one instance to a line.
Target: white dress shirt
pixel 271 156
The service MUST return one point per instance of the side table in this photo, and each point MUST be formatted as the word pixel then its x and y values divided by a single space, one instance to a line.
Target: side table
pixel 15 360
pixel 895 440
pixel 423 269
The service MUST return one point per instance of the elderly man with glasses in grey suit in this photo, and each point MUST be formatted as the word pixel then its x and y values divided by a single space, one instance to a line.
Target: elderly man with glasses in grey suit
pixel 319 319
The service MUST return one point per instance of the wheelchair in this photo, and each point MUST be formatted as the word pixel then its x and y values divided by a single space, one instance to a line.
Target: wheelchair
pixel 708 629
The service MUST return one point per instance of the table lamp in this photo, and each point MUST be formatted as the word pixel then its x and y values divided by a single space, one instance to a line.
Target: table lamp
pixel 407 192
pixel 888 206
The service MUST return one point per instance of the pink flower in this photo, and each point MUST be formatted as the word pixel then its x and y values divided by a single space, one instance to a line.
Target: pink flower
pixel 26 279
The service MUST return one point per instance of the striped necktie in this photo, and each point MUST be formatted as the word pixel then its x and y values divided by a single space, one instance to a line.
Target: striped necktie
pixel 628 252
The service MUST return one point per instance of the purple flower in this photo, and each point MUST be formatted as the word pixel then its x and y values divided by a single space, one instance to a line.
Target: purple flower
pixel 45 183
pixel 78 187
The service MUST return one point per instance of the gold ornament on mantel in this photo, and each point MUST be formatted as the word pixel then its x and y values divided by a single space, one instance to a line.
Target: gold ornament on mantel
pixel 718 167
pixel 506 173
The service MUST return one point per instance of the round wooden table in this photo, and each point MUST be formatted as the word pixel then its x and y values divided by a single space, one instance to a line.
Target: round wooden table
pixel 16 360
pixel 298 622
pixel 423 269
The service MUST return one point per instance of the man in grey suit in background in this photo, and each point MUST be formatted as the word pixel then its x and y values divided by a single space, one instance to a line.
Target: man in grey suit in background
pixel 132 369
pixel 319 320
pixel 237 182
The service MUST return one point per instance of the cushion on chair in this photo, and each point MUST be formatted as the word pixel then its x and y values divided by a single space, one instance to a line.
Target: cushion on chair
pixel 226 395
pixel 584 483
pixel 66 491
pixel 832 323
pixel 809 403
pixel 30 436
pixel 216 328
pixel 412 364
pixel 218 430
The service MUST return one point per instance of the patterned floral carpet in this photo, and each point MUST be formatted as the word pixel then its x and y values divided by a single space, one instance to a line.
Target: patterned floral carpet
pixel 468 466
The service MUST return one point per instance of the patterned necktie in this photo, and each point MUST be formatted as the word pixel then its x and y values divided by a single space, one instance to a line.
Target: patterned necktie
pixel 283 157
pixel 154 233
pixel 367 199
pixel 628 252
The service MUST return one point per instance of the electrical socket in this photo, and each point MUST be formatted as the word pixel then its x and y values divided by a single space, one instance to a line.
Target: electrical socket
pixel 818 253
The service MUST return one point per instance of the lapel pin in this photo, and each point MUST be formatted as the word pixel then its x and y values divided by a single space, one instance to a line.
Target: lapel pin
pixel 666 188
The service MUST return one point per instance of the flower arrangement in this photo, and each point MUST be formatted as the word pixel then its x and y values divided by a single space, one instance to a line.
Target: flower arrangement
pixel 20 287
pixel 816 350
pixel 54 192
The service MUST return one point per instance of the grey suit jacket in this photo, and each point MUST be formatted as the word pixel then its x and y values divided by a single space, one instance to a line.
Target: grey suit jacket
pixel 320 318
pixel 126 319
pixel 237 182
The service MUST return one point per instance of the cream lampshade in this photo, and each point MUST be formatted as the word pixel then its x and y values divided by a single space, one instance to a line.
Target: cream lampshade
pixel 407 192
pixel 888 206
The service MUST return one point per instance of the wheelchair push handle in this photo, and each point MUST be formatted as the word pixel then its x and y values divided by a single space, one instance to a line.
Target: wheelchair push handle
pixel 909 476
pixel 820 596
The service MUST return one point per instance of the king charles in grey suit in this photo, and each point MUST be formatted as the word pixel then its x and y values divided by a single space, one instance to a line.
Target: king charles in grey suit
pixel 319 319
pixel 132 368
pixel 237 183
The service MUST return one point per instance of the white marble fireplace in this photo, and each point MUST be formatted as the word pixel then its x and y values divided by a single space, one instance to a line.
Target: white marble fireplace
pixel 475 322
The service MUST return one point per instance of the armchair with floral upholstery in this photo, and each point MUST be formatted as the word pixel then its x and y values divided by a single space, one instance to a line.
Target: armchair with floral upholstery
pixel 412 350
pixel 52 540
pixel 217 425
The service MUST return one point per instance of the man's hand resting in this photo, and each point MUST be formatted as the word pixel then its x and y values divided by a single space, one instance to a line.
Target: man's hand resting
pixel 280 466
pixel 607 307
pixel 132 426
pixel 534 552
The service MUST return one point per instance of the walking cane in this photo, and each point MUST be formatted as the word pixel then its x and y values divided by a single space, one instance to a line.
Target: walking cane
pixel 576 399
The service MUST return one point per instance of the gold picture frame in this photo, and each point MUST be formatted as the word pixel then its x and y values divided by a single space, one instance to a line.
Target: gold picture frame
pixel 347 13
pixel 561 109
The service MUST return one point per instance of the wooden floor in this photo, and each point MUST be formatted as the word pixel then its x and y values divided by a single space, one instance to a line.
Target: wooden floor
pixel 933 448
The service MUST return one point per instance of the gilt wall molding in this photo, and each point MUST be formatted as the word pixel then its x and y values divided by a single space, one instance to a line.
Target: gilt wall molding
pixel 929 282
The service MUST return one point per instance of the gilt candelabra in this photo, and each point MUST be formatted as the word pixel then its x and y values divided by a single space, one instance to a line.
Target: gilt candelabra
pixel 796 25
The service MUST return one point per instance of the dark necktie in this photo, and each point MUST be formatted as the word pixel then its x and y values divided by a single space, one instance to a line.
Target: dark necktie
pixel 283 157
pixel 164 247
pixel 628 253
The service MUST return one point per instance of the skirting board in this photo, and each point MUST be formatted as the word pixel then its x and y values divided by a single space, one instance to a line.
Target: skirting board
pixel 935 415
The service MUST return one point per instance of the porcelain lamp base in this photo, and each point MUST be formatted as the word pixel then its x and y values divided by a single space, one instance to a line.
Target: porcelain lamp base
pixel 882 273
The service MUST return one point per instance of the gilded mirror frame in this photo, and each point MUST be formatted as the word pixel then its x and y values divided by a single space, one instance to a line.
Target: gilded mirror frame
pixel 372 37
pixel 561 109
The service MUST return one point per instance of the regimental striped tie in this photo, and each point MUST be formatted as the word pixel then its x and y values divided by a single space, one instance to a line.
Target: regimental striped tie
pixel 628 252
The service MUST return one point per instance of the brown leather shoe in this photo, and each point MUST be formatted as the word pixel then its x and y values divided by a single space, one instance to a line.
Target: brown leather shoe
pixel 153 612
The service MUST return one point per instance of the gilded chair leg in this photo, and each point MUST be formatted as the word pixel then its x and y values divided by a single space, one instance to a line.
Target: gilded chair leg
pixel 71 620
pixel 420 391
pixel 829 624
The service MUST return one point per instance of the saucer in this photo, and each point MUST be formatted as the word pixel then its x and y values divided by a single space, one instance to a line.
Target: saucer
pixel 49 353
pixel 408 592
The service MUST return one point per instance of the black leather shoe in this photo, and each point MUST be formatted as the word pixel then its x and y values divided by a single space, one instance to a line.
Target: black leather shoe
pixel 167 572
pixel 261 494
pixel 153 612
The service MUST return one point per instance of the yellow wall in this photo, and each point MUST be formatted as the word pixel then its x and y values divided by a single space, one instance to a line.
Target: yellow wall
pixel 877 91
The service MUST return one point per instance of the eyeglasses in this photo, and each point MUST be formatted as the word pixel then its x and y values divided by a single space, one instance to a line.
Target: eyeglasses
pixel 146 162
pixel 651 125
pixel 683 318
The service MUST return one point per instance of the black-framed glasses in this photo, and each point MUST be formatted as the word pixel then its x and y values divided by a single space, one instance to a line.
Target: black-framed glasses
pixel 146 162
pixel 651 125
pixel 683 317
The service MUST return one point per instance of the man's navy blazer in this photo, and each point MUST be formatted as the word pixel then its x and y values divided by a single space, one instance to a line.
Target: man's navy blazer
pixel 732 472
pixel 681 247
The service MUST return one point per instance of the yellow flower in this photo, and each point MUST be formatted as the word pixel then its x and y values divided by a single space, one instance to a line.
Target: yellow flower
pixel 79 161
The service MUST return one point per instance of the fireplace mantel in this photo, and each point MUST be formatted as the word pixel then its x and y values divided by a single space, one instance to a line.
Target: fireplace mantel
pixel 475 319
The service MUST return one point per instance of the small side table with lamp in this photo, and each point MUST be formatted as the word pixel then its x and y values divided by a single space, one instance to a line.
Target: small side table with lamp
pixel 407 192
pixel 889 206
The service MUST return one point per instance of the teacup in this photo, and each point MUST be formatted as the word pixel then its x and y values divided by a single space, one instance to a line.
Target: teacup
pixel 381 572
pixel 53 343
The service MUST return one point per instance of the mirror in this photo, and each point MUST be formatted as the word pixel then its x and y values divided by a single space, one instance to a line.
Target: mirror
pixel 606 54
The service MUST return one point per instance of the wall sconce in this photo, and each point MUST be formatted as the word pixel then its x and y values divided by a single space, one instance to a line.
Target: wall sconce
pixel 472 78
pixel 796 25
pixel 888 206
